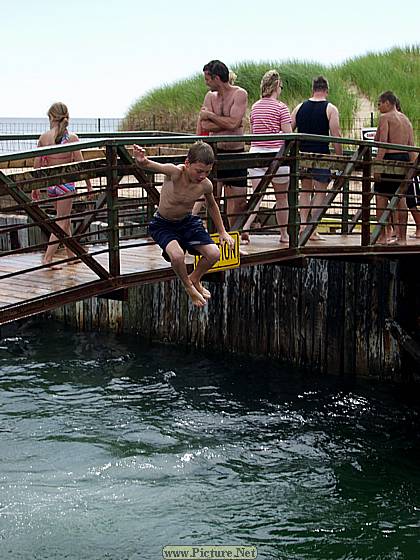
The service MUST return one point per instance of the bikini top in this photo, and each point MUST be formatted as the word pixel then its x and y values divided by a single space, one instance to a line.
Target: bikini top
pixel 65 139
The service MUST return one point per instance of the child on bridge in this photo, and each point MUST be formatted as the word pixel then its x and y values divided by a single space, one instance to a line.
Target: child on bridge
pixel 174 228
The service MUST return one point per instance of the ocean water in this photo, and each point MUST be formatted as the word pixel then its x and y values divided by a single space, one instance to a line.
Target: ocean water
pixel 39 125
pixel 112 448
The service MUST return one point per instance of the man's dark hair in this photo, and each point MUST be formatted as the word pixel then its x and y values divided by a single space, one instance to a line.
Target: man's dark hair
pixel 388 96
pixel 217 68
pixel 320 84
pixel 200 152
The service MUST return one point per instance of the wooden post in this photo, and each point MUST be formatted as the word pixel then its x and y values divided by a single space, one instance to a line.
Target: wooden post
pixel 293 196
pixel 112 207
pixel 366 196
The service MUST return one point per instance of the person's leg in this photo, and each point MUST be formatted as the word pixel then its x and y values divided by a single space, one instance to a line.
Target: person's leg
pixel 63 207
pixel 251 218
pixel 416 217
pixel 381 204
pixel 210 255
pixel 282 209
pixel 177 258
pixel 236 205
pixel 305 201
pixel 402 215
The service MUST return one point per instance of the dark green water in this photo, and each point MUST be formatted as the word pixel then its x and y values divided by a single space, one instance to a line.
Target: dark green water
pixel 111 449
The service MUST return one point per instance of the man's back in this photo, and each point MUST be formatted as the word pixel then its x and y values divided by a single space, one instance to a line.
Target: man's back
pixel 395 128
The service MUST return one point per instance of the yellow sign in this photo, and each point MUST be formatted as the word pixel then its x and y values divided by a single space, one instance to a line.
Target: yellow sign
pixel 229 258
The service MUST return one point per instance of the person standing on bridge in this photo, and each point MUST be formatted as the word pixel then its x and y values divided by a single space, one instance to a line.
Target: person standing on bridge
pixel 271 116
pixel 394 128
pixel 61 195
pixel 222 114
pixel 316 115
pixel 174 228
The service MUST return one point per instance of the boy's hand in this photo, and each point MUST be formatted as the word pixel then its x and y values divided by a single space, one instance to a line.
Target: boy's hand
pixel 139 154
pixel 226 238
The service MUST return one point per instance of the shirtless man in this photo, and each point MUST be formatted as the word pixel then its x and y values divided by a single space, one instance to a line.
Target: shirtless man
pixel 174 228
pixel 222 114
pixel 316 116
pixel 394 128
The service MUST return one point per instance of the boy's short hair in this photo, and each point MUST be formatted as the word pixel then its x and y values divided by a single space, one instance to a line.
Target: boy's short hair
pixel 388 96
pixel 200 152
pixel 217 68
pixel 320 84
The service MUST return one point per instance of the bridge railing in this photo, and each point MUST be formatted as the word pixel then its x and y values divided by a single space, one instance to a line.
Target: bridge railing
pixel 126 196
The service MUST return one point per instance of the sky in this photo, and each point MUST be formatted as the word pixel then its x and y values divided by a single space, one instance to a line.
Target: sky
pixel 99 57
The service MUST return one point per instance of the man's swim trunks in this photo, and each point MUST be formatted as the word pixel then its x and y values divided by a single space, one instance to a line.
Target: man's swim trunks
pixel 389 182
pixel 189 232
pixel 232 177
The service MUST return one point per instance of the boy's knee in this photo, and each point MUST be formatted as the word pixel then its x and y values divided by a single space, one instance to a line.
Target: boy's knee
pixel 214 254
pixel 176 256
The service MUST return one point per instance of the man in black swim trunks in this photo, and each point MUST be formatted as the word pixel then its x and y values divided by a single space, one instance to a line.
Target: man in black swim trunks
pixel 394 128
pixel 222 113
pixel 174 228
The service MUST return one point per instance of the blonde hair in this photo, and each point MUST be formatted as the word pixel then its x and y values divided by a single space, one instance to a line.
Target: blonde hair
pixel 269 83
pixel 232 77
pixel 59 115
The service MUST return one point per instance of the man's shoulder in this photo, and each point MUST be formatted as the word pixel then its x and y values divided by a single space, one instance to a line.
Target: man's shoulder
pixel 239 92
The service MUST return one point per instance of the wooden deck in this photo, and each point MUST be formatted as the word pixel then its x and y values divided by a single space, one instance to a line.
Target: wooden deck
pixel 39 290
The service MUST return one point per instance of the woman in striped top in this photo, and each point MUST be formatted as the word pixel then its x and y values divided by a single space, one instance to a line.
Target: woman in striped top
pixel 270 116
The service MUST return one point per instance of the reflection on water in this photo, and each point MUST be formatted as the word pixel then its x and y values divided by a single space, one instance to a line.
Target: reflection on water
pixel 110 448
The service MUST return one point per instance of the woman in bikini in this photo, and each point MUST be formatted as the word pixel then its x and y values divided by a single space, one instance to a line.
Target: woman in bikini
pixel 60 194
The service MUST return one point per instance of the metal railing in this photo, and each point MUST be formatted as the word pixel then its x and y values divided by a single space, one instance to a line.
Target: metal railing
pixel 126 197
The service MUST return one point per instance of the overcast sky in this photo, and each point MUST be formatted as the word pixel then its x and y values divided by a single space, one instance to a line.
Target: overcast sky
pixel 100 56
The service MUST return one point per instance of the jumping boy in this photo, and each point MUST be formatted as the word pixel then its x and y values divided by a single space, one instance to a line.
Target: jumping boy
pixel 174 228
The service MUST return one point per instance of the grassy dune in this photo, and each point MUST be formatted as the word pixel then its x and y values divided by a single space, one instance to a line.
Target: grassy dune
pixel 175 106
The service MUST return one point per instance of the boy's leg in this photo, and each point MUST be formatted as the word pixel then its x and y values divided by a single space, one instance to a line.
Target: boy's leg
pixel 177 257
pixel 210 255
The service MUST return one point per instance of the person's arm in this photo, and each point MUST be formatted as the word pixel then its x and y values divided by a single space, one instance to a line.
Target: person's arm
pixel 286 127
pixel 382 136
pixel 214 213
pixel 78 156
pixel 168 169
pixel 293 116
pixel 334 124
pixel 237 112
pixel 410 142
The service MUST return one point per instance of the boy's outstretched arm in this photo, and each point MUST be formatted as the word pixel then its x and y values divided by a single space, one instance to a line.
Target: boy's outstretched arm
pixel 214 212
pixel 139 154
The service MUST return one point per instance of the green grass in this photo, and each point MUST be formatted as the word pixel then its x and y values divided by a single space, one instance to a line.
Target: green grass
pixel 175 106
pixel 397 70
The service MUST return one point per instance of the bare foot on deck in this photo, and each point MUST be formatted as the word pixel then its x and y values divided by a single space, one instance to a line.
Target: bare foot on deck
pixel 201 289
pixel 51 266
pixel 284 239
pixel 316 237
pixel 197 299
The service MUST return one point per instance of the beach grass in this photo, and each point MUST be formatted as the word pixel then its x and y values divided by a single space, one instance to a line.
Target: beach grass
pixel 175 106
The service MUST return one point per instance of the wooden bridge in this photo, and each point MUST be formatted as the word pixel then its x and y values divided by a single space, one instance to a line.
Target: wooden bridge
pixel 110 241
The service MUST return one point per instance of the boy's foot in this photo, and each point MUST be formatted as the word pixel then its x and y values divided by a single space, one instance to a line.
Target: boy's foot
pixel 197 299
pixel 201 289
pixel 284 239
